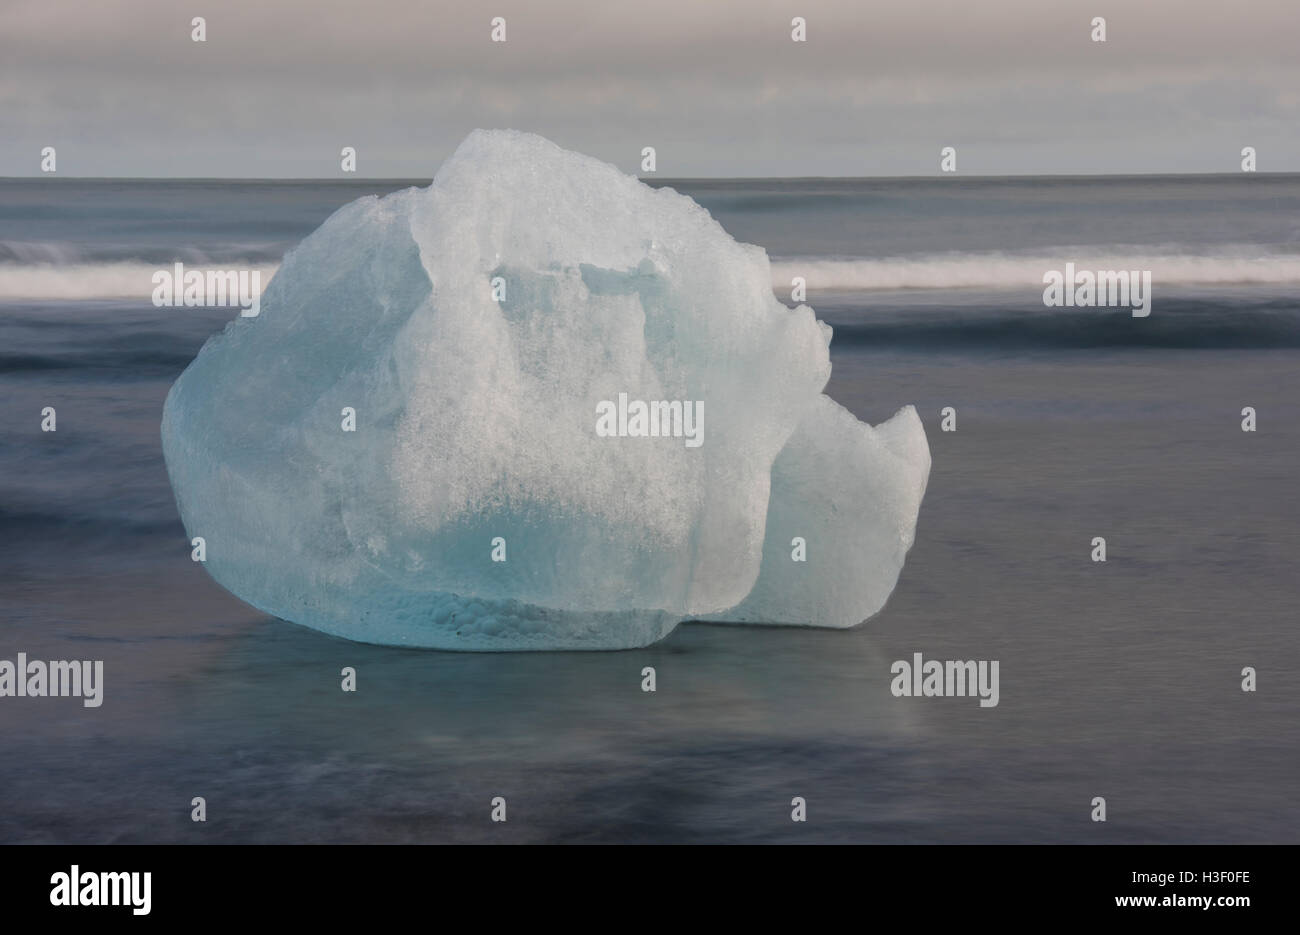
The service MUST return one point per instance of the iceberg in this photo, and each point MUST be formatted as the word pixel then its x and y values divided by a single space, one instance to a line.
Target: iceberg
pixel 536 405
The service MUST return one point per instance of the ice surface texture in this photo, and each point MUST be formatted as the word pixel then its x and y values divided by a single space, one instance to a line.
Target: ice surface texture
pixel 476 419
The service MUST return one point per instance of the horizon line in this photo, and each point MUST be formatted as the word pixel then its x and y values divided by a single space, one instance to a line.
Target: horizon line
pixel 652 179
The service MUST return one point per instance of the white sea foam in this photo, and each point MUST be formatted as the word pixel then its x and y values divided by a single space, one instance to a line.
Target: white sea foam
pixel 74 281
pixel 996 271
pixel 993 271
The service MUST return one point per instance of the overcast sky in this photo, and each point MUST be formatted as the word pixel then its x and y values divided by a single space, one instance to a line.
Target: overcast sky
pixel 716 86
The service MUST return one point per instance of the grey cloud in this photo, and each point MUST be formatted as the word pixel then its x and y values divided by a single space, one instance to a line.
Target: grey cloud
pixel 281 85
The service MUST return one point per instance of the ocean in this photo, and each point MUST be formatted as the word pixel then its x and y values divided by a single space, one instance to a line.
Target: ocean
pixel 1120 680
